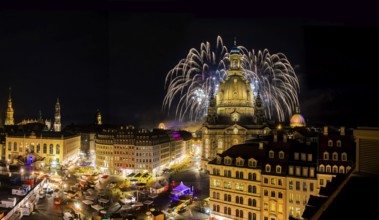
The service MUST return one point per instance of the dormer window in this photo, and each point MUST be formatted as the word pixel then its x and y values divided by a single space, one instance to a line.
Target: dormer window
pixel 338 143
pixel 252 163
pixel 271 154
pixel 278 169
pixel 219 159
pixel 240 162
pixel 268 168
pixel 227 161
pixel 281 155
pixel 330 143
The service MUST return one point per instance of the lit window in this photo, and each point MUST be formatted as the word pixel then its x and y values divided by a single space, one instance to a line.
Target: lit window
pixel 335 156
pixel 309 157
pixel 344 156
pixel 271 154
pixel 303 157
pixel 342 169
pixel 298 171
pixel 290 184
pixel 338 143
pixel 273 181
pixel 268 168
pixel 330 143
pixel 322 168
pixel 328 168
pixel 326 156
pixel 305 171
pixel 296 156
pixel 281 155
pixel 290 170
pixel 312 172
pixel 278 169
pixel 335 169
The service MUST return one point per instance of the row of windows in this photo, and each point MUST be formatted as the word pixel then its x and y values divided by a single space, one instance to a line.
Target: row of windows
pixel 239 162
pixel 238 213
pixel 271 154
pixel 273 194
pixel 238 174
pixel 278 168
pixel 36 149
pixel 304 156
pixel 273 181
pixel 298 185
pixel 338 143
pixel 335 169
pixel 306 171
pixel 335 156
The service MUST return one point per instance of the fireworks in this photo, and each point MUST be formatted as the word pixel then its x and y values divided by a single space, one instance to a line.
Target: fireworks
pixel 191 82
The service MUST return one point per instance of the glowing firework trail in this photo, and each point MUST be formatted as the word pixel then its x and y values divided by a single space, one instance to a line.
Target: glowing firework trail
pixel 190 83
pixel 192 80
pixel 275 79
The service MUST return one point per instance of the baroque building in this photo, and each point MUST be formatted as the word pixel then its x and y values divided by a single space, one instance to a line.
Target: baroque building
pixel 127 149
pixel 234 114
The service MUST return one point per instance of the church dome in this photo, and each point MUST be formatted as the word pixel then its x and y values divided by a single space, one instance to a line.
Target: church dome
pixel 235 94
pixel 297 120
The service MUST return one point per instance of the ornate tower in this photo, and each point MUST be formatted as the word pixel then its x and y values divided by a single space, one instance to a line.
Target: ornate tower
pixel 98 117
pixel 259 110
pixel 211 116
pixel 57 117
pixel 9 119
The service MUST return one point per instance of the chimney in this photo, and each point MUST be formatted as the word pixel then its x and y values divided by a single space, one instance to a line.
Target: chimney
pixel 260 145
pixel 342 130
pixel 325 130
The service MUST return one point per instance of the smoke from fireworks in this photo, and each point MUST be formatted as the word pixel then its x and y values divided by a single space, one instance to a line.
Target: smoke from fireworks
pixel 191 82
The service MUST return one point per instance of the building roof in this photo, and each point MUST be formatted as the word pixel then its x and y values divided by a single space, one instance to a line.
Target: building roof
pixel 354 199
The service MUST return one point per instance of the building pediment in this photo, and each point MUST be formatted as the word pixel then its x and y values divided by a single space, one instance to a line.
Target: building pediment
pixel 235 129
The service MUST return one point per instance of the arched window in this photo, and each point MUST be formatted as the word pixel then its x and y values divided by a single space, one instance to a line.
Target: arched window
pixel 225 197
pixel 38 148
pixel 330 143
pixel 326 155
pixel 322 168
pixel 241 175
pixel 250 175
pixel 328 168
pixel 229 211
pixel 225 210
pixel 58 149
pixel 254 176
pixel 268 168
pixel 237 174
pixel 229 198
pixel 14 146
pixel 335 169
pixel 237 199
pixel 254 189
pixel 214 195
pixel 271 154
pixel 342 169
pixel 335 156
pixel 250 188
pixel 51 149
pixel 278 169
pixel 44 148
pixel 344 156
pixel 281 155
pixel 338 143
pixel 32 148
pixel 254 203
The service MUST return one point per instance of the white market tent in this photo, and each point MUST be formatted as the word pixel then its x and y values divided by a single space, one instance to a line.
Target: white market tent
pixel 181 189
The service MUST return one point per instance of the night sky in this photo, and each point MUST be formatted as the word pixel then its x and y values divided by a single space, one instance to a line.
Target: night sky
pixel 114 57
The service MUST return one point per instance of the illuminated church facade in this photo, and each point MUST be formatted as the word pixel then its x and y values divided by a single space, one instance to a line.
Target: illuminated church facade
pixel 234 114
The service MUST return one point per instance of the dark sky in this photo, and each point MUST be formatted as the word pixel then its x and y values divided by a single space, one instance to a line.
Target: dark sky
pixel 115 56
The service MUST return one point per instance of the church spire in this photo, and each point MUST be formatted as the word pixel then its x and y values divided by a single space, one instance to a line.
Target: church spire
pixel 57 117
pixel 98 117
pixel 9 119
